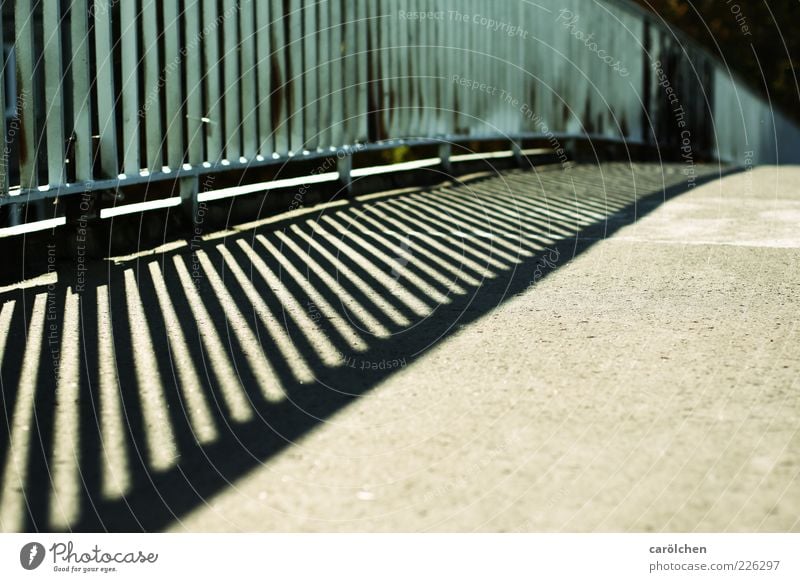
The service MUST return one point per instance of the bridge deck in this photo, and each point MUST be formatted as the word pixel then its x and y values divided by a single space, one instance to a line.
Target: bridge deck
pixel 592 348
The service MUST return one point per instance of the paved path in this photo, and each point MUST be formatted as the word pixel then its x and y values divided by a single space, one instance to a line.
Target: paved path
pixel 543 351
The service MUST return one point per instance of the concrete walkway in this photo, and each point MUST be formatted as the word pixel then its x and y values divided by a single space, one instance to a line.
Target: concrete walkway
pixel 593 349
pixel 650 384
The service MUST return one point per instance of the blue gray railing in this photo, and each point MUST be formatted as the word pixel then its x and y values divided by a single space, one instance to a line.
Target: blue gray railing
pixel 107 94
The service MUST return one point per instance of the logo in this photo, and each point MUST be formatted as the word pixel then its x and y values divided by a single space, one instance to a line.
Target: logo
pixel 31 555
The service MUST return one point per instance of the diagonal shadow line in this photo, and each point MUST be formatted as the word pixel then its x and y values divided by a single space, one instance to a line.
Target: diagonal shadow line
pixel 155 499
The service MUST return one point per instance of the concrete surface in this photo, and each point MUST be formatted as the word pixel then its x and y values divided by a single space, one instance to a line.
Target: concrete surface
pixel 618 360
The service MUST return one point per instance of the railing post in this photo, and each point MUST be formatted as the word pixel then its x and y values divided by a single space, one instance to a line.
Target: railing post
pixel 445 151
pixel 519 157
pixel 344 166
pixel 189 188
pixel 14 214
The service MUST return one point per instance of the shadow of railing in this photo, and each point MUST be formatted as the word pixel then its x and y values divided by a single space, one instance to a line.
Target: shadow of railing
pixel 129 403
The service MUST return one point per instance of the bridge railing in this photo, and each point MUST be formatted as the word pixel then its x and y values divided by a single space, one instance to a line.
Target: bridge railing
pixel 105 94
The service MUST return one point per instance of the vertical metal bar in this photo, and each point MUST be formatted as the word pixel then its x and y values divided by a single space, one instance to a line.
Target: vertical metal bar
pixel 249 113
pixel 402 85
pixel 413 78
pixel 194 92
pixel 130 87
pixel 385 38
pixel 280 86
pixel 152 87
pixel 81 91
pixel 109 167
pixel 189 188
pixel 445 104
pixel 337 80
pixel 53 88
pixel 26 97
pixel 349 42
pixel 232 103
pixel 309 43
pixel 324 77
pixel 5 154
pixel 344 166
pixel 296 69
pixel 362 77
pixel 266 139
pixel 211 81
pixel 174 94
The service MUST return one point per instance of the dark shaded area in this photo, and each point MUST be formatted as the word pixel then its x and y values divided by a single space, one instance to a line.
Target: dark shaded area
pixel 758 40
pixel 392 255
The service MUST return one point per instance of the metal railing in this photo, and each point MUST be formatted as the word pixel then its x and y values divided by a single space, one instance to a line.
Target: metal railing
pixel 109 93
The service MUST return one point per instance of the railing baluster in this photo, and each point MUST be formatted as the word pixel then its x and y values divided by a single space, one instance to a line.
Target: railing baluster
pixel 53 89
pixel 212 20
pixel 296 73
pixel 311 66
pixel 106 99
pixel 231 100
pixel 248 54
pixel 129 87
pixel 26 93
pixel 337 81
pixel 173 66
pixel 6 153
pixel 266 138
pixel 81 91
pixel 362 87
pixel 194 92
pixel 152 87
pixel 281 105
pixel 323 43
